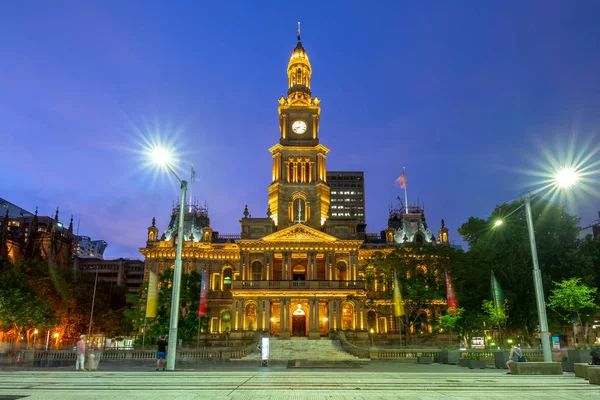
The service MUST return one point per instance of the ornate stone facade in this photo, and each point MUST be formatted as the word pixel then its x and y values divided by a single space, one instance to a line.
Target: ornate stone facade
pixel 298 271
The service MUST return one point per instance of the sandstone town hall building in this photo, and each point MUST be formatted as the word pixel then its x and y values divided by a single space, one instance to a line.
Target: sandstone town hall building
pixel 299 271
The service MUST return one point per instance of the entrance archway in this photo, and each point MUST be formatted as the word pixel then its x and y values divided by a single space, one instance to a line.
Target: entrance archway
pixel 299 322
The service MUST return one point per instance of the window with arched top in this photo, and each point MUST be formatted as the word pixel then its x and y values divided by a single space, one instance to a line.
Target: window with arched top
pixel 225 321
pixel 227 278
pixel 341 271
pixel 299 210
pixel 419 239
pixel 256 271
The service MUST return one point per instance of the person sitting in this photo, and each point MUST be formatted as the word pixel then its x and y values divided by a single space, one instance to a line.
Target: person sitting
pixel 595 356
pixel 514 356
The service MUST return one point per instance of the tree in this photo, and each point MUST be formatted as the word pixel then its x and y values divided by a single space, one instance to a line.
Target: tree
pixel 573 297
pixel 505 250
pixel 496 316
pixel 21 309
pixel 188 305
pixel 450 320
pixel 420 271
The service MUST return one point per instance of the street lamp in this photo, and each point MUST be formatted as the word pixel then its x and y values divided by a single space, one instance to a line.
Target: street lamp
pixel 161 156
pixel 372 332
pixel 563 179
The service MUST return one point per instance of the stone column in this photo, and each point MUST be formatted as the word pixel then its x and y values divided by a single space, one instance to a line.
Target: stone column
pixel 289 268
pixel 330 318
pixel 338 316
pixel 241 315
pixel 234 315
pixel 354 258
pixel 283 264
pixel 267 308
pixel 317 329
pixel 259 315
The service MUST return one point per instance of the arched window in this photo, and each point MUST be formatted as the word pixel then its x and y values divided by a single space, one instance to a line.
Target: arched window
pixel 299 210
pixel 372 321
pixel 225 321
pixel 251 317
pixel 341 271
pixel 256 271
pixel 419 239
pixel 347 316
pixel 227 278
pixel 299 273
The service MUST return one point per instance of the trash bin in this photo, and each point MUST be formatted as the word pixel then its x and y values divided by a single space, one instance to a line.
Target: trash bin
pixel 93 360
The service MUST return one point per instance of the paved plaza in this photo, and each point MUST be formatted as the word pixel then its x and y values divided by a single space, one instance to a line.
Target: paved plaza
pixel 374 380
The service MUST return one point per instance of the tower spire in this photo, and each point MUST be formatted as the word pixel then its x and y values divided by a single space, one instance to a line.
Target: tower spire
pixel 298 30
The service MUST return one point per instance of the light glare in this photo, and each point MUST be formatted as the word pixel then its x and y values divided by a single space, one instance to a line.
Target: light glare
pixel 498 222
pixel 566 177
pixel 160 156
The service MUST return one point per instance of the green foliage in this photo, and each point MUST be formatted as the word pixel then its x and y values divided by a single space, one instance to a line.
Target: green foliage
pixel 189 298
pixel 496 316
pixel 573 297
pixel 50 297
pixel 505 250
pixel 420 271
pixel 449 321
pixel 20 305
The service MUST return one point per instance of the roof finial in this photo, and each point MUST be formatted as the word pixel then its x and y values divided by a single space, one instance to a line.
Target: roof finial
pixel 298 30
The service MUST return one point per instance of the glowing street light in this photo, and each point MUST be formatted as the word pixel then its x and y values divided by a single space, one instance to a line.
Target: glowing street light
pixel 162 157
pixel 566 177
pixel 563 178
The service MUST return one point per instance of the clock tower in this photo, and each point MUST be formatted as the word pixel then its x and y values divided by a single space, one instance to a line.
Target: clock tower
pixel 299 192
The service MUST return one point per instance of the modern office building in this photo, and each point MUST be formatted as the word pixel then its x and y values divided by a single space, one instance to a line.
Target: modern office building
pixel 120 271
pixel 347 194
pixel 85 247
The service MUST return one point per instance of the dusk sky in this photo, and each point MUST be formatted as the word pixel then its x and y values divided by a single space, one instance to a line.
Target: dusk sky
pixel 468 95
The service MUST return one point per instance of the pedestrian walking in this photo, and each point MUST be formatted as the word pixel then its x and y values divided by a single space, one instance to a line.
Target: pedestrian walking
pixel 161 354
pixel 80 363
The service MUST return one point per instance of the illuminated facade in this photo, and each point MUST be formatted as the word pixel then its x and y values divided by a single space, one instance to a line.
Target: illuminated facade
pixel 30 236
pixel 297 271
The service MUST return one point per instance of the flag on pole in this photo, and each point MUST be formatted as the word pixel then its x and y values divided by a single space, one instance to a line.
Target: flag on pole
pixel 497 293
pixel 203 295
pixel 401 181
pixel 152 299
pixel 398 303
pixel 451 296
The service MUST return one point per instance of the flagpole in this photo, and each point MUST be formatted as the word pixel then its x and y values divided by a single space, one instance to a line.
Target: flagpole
pixel 400 329
pixel 405 191
pixel 192 176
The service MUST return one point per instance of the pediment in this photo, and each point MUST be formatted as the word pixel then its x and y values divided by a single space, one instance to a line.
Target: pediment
pixel 299 233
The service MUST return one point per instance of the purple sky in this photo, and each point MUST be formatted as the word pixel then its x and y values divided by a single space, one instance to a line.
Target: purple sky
pixel 464 94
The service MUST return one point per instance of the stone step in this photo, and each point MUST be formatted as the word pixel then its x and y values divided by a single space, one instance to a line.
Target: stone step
pixel 304 349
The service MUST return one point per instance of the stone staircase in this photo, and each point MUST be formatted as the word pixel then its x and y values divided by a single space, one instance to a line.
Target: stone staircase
pixel 303 349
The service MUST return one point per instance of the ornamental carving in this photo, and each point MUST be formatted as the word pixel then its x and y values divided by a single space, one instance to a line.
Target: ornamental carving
pixel 299 233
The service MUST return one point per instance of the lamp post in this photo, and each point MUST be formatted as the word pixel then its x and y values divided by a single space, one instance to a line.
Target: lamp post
pixel 539 289
pixel 372 332
pixel 564 178
pixel 161 156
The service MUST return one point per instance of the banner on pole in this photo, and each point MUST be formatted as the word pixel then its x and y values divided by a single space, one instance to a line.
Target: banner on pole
pixel 203 295
pixel 152 301
pixel 398 304
pixel 451 296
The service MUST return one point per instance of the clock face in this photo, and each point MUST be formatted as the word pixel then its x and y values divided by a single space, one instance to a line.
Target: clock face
pixel 299 127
